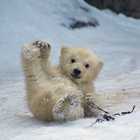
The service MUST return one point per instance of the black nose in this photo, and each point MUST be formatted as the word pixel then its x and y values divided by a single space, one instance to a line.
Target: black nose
pixel 77 72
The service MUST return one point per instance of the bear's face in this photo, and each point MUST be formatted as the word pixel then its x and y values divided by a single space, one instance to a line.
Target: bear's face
pixel 80 64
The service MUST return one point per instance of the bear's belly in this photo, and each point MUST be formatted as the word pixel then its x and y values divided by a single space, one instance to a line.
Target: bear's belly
pixel 65 85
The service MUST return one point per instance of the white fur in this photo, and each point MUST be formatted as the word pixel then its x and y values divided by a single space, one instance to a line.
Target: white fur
pixel 52 93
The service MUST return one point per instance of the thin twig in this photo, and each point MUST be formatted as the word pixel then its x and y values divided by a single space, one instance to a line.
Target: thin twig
pixel 97 107
pixel 106 116
pixel 91 104
pixel 124 113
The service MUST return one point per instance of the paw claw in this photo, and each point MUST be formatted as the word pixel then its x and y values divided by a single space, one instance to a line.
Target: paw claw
pixel 44 47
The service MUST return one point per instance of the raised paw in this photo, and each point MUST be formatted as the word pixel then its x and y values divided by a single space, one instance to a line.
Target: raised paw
pixel 43 46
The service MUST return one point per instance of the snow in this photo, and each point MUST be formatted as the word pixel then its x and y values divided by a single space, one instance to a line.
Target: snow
pixel 116 40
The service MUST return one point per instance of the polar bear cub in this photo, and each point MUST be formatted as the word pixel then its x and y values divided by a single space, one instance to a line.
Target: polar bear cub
pixel 60 93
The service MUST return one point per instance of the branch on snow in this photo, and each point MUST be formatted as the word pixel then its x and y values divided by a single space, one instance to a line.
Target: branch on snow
pixel 107 116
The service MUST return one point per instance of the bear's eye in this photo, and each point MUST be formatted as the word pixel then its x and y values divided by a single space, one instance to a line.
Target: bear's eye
pixel 72 60
pixel 87 65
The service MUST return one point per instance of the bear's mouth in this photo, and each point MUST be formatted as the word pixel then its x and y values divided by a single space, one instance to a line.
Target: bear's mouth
pixel 75 76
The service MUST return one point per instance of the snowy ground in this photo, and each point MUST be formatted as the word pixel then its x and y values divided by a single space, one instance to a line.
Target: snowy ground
pixel 116 40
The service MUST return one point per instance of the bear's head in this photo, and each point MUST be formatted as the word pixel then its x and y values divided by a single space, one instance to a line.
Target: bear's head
pixel 80 64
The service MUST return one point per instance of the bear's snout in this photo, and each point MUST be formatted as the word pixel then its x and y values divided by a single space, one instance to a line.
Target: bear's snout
pixel 76 71
pixel 76 74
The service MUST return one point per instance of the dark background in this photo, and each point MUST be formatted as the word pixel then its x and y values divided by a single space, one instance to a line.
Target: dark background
pixel 130 8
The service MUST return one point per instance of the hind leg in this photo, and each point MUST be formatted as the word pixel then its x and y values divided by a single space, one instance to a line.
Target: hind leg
pixel 41 104
pixel 67 108
pixel 49 104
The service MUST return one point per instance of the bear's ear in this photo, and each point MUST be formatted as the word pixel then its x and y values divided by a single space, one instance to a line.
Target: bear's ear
pixel 64 49
pixel 101 63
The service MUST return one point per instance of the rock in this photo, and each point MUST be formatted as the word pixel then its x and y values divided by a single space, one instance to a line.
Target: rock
pixel 130 8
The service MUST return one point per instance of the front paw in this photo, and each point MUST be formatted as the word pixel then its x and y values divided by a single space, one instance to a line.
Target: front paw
pixel 44 47
pixel 88 97
pixel 93 101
